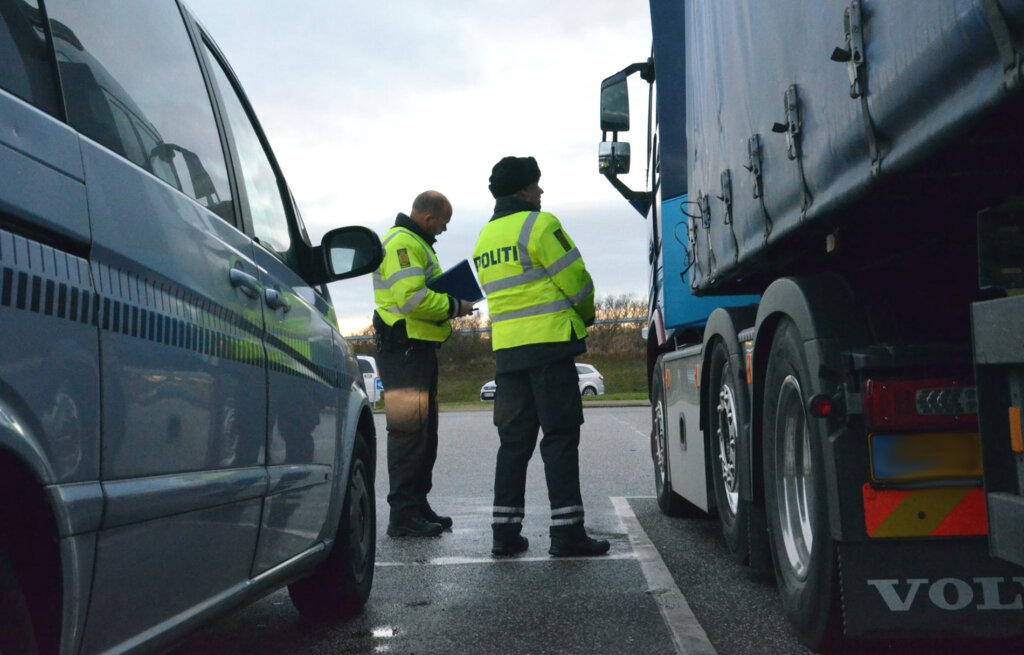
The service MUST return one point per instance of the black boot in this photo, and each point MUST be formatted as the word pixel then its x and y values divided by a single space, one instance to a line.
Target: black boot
pixel 412 525
pixel 574 542
pixel 505 545
pixel 429 515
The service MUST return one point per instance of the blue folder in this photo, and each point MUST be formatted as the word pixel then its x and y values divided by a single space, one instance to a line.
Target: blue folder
pixel 458 282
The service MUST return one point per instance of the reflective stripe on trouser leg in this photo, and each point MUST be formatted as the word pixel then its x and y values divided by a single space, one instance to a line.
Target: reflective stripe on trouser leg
pixel 567 515
pixel 508 515
pixel 516 419
pixel 560 412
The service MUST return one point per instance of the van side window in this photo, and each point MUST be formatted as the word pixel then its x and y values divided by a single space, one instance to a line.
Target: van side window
pixel 132 82
pixel 25 68
pixel 261 190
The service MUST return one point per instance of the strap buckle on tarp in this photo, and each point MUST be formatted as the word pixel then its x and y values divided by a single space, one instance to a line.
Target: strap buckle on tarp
pixel 856 67
pixel 1008 55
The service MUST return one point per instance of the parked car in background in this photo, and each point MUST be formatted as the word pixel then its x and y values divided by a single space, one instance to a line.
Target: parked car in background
pixel 182 428
pixel 371 378
pixel 487 391
pixel 591 383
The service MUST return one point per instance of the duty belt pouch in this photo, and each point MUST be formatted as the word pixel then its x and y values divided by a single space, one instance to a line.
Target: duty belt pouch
pixel 389 337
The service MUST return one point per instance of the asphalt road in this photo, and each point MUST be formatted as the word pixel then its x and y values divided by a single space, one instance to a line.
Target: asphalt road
pixel 667 586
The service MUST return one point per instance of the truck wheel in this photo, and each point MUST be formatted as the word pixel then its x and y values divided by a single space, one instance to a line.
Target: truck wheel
pixel 670 503
pixel 15 621
pixel 802 550
pixel 727 448
pixel 340 586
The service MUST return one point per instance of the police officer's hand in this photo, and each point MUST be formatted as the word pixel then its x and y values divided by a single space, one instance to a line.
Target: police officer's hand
pixel 465 308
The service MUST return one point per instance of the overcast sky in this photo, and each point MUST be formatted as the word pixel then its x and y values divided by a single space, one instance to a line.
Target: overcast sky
pixel 368 103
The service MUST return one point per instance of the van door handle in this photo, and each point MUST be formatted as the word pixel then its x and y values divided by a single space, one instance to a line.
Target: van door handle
pixel 248 284
pixel 276 300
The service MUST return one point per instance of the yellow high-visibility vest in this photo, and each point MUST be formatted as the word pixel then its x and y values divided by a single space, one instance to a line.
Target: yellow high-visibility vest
pixel 400 287
pixel 538 289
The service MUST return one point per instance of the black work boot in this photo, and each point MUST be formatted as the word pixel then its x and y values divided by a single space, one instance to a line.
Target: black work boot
pixel 574 542
pixel 428 514
pixel 505 545
pixel 412 525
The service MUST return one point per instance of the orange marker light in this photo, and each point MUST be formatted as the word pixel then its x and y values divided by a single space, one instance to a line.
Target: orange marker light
pixel 1016 443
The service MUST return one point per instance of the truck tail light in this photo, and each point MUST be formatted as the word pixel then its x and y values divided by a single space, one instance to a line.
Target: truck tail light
pixel 943 404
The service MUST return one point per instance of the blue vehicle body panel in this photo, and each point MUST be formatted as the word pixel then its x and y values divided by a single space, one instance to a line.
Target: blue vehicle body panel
pixel 682 309
pixel 724 66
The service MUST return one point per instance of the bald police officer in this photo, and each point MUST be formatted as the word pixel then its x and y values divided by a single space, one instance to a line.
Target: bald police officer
pixel 411 322
pixel 540 299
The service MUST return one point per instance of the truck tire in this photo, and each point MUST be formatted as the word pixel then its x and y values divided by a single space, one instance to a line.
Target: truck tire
pixel 803 553
pixel 340 585
pixel 725 423
pixel 16 634
pixel 669 502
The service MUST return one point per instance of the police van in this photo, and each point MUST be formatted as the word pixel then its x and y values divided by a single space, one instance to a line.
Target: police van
pixel 182 428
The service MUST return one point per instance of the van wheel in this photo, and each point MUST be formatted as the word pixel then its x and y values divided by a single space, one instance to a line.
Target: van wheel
pixel 728 451
pixel 803 553
pixel 670 503
pixel 340 586
pixel 15 621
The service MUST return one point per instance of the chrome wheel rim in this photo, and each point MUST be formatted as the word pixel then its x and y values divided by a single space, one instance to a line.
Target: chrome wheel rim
pixel 727 433
pixel 359 517
pixel 659 444
pixel 794 467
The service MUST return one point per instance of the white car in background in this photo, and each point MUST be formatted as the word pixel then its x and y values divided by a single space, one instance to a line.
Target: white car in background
pixel 371 378
pixel 591 383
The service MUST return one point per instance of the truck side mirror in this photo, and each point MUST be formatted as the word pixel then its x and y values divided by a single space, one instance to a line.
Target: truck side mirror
pixel 615 104
pixel 613 158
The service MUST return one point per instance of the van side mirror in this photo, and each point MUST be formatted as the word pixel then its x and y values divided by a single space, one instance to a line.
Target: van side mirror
pixel 613 158
pixel 615 103
pixel 351 251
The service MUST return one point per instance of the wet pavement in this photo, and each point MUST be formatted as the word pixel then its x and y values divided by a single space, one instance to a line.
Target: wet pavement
pixel 668 586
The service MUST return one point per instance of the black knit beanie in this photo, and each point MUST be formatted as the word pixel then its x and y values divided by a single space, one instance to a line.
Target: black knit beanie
pixel 513 174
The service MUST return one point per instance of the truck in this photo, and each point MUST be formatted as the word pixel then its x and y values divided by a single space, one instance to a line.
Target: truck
pixel 833 191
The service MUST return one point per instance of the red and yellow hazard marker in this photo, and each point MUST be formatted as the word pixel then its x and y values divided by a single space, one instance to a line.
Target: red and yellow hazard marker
pixel 938 512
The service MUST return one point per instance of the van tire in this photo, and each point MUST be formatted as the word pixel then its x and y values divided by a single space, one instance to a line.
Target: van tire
pixel 340 586
pixel 16 635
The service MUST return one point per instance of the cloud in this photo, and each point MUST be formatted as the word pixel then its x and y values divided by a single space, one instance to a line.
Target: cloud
pixel 367 104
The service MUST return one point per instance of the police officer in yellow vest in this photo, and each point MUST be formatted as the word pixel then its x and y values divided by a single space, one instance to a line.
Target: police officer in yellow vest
pixel 411 321
pixel 540 298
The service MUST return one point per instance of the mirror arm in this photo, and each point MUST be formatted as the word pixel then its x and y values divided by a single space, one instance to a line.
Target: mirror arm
pixel 640 200
pixel 646 70
pixel 315 270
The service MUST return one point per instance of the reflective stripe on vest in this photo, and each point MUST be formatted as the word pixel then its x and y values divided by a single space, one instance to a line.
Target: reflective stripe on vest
pixel 532 274
pixel 547 308
pixel 389 291
pixel 380 284
pixel 527 304
pixel 430 260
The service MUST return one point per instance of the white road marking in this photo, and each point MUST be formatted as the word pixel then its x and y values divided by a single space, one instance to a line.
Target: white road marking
pixel 631 427
pixel 449 561
pixel 687 634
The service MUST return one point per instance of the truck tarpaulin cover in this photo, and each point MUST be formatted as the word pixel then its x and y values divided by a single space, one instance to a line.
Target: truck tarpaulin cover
pixel 921 70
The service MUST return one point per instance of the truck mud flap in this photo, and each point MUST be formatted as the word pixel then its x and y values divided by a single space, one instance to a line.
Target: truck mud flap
pixel 947 588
